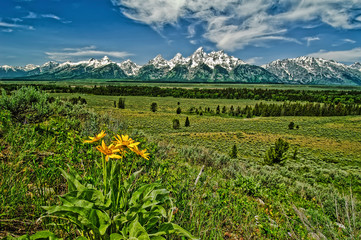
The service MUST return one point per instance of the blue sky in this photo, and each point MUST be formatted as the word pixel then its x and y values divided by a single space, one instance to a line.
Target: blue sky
pixel 256 31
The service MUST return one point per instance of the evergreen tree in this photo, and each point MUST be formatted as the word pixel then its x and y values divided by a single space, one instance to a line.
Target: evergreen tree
pixel 231 111
pixel 115 104
pixel 154 107
pixel 276 154
pixel 179 110
pixel 291 126
pixel 187 123
pixel 121 103
pixel 234 152
pixel 218 111
pixel 224 109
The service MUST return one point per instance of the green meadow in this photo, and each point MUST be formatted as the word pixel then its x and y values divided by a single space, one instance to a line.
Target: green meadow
pixel 313 192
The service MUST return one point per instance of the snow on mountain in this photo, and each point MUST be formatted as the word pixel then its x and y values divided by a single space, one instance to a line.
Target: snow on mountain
pixel 200 66
pixel 159 62
pixel 130 68
pixel 356 65
pixel 309 70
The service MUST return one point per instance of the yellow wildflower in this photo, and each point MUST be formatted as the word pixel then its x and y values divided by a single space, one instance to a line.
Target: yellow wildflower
pixel 96 138
pixel 142 153
pixel 125 141
pixel 110 151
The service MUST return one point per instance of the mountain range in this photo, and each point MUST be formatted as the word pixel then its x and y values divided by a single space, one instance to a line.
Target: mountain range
pixel 199 67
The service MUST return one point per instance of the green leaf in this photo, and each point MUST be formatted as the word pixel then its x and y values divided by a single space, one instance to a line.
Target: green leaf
pixel 157 238
pixel 81 238
pixel 43 235
pixel 71 177
pixel 101 220
pixel 116 236
pixel 169 228
pixel 136 231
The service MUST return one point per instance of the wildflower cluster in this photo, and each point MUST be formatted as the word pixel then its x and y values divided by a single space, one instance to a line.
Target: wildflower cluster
pixel 118 148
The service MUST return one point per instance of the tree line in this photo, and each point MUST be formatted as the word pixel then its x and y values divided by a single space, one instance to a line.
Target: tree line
pixel 285 109
pixel 320 96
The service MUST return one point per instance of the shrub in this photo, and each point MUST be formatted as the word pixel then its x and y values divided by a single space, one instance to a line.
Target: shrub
pixel 291 125
pixel 179 110
pixel 154 107
pixel 27 105
pixel 176 124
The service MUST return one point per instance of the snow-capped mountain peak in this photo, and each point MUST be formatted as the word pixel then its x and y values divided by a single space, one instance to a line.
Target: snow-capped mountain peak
pixel 356 65
pixel 105 60
pixel 130 68
pixel 310 70
pixel 159 62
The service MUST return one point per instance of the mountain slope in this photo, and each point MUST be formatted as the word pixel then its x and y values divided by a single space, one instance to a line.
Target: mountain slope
pixel 199 67
pixel 309 70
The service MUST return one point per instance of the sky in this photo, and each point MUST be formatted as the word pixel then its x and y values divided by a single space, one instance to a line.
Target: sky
pixel 256 31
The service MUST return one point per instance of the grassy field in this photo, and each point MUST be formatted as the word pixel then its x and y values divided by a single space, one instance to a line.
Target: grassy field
pixel 314 194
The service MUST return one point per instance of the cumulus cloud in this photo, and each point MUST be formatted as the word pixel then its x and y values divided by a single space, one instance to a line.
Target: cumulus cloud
pixel 233 24
pixel 352 55
pixel 82 53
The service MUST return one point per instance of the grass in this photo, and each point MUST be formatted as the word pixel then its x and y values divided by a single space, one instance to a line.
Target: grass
pixel 314 193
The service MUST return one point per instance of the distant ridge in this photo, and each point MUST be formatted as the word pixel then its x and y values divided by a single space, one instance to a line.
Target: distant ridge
pixel 216 67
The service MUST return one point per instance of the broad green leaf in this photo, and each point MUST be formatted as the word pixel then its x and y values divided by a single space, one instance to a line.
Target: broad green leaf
pixel 136 231
pixel 44 235
pixel 169 228
pixel 73 183
pixel 116 236
pixel 157 238
pixel 81 238
pixel 100 220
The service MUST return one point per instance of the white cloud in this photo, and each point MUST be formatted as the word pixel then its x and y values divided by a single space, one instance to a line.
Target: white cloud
pixel 310 39
pixel 31 15
pixel 234 24
pixel 352 55
pixel 253 60
pixel 346 40
pixel 51 16
pixel 14 25
pixel 343 41
pixel 85 52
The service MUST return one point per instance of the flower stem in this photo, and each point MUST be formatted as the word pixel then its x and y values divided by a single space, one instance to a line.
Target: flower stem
pixel 104 173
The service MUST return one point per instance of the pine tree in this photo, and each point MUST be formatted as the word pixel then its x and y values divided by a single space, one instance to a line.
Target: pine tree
pixel 187 123
pixel 224 109
pixel 276 154
pixel 179 110
pixel 234 152
pixel 121 103
pixel 218 111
